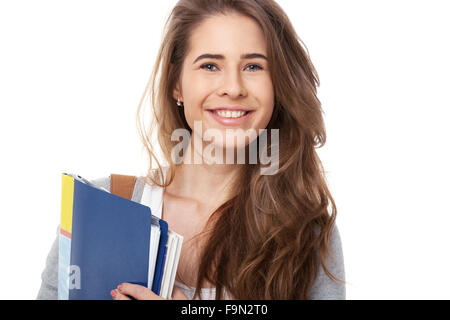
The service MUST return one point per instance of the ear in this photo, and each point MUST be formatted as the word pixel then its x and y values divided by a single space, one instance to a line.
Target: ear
pixel 176 91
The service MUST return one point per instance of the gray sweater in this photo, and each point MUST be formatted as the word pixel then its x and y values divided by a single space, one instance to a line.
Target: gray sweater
pixel 323 288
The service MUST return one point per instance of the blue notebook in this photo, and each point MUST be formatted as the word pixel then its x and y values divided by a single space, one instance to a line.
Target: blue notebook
pixel 104 240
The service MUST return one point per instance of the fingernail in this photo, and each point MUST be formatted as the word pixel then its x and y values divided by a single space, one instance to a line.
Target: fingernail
pixel 119 287
pixel 113 293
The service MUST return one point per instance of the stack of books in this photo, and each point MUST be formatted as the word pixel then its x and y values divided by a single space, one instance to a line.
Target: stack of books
pixel 106 240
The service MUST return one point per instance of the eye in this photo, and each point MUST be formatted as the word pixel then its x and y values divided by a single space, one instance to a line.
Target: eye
pixel 206 65
pixel 258 67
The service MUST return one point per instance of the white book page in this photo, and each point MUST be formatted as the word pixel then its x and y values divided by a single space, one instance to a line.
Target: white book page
pixel 176 260
pixel 154 244
pixel 170 268
pixel 167 265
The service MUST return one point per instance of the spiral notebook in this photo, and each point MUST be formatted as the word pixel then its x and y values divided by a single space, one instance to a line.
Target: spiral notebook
pixel 106 240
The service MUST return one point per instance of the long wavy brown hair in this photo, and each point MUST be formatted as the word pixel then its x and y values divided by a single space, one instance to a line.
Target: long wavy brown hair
pixel 266 242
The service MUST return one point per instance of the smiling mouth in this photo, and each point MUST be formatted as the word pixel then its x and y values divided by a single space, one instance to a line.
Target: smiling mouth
pixel 229 114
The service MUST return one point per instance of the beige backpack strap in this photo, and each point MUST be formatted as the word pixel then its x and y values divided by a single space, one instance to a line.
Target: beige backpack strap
pixel 122 185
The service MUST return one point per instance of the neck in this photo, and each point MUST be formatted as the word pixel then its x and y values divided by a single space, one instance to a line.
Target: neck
pixel 208 184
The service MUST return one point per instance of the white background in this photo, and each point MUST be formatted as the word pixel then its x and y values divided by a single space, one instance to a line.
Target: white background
pixel 72 74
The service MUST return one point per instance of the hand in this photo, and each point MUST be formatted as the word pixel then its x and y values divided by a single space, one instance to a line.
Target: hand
pixel 143 293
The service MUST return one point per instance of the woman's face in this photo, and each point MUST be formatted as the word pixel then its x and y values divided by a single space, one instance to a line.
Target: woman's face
pixel 217 90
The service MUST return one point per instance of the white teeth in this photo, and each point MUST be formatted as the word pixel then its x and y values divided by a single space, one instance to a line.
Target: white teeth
pixel 230 114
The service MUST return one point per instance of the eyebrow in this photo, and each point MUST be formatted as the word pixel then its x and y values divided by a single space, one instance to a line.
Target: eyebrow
pixel 221 57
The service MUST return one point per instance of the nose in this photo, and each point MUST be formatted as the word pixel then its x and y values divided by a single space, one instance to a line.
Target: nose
pixel 232 85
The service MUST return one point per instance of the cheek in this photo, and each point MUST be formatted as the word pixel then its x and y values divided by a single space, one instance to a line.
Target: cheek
pixel 195 86
pixel 194 94
pixel 267 102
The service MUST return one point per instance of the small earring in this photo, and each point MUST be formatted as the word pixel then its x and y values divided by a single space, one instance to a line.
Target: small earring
pixel 179 103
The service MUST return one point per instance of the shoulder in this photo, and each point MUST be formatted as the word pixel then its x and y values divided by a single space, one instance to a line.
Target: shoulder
pixel 155 174
pixel 325 288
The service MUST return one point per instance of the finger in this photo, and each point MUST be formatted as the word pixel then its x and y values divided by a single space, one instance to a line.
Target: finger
pixel 138 292
pixel 118 296
pixel 178 294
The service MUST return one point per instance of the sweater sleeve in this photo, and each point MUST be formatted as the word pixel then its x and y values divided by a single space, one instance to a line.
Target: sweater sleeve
pixel 325 288
pixel 49 277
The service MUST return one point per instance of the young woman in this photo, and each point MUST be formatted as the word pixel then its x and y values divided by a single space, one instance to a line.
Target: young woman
pixel 238 66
